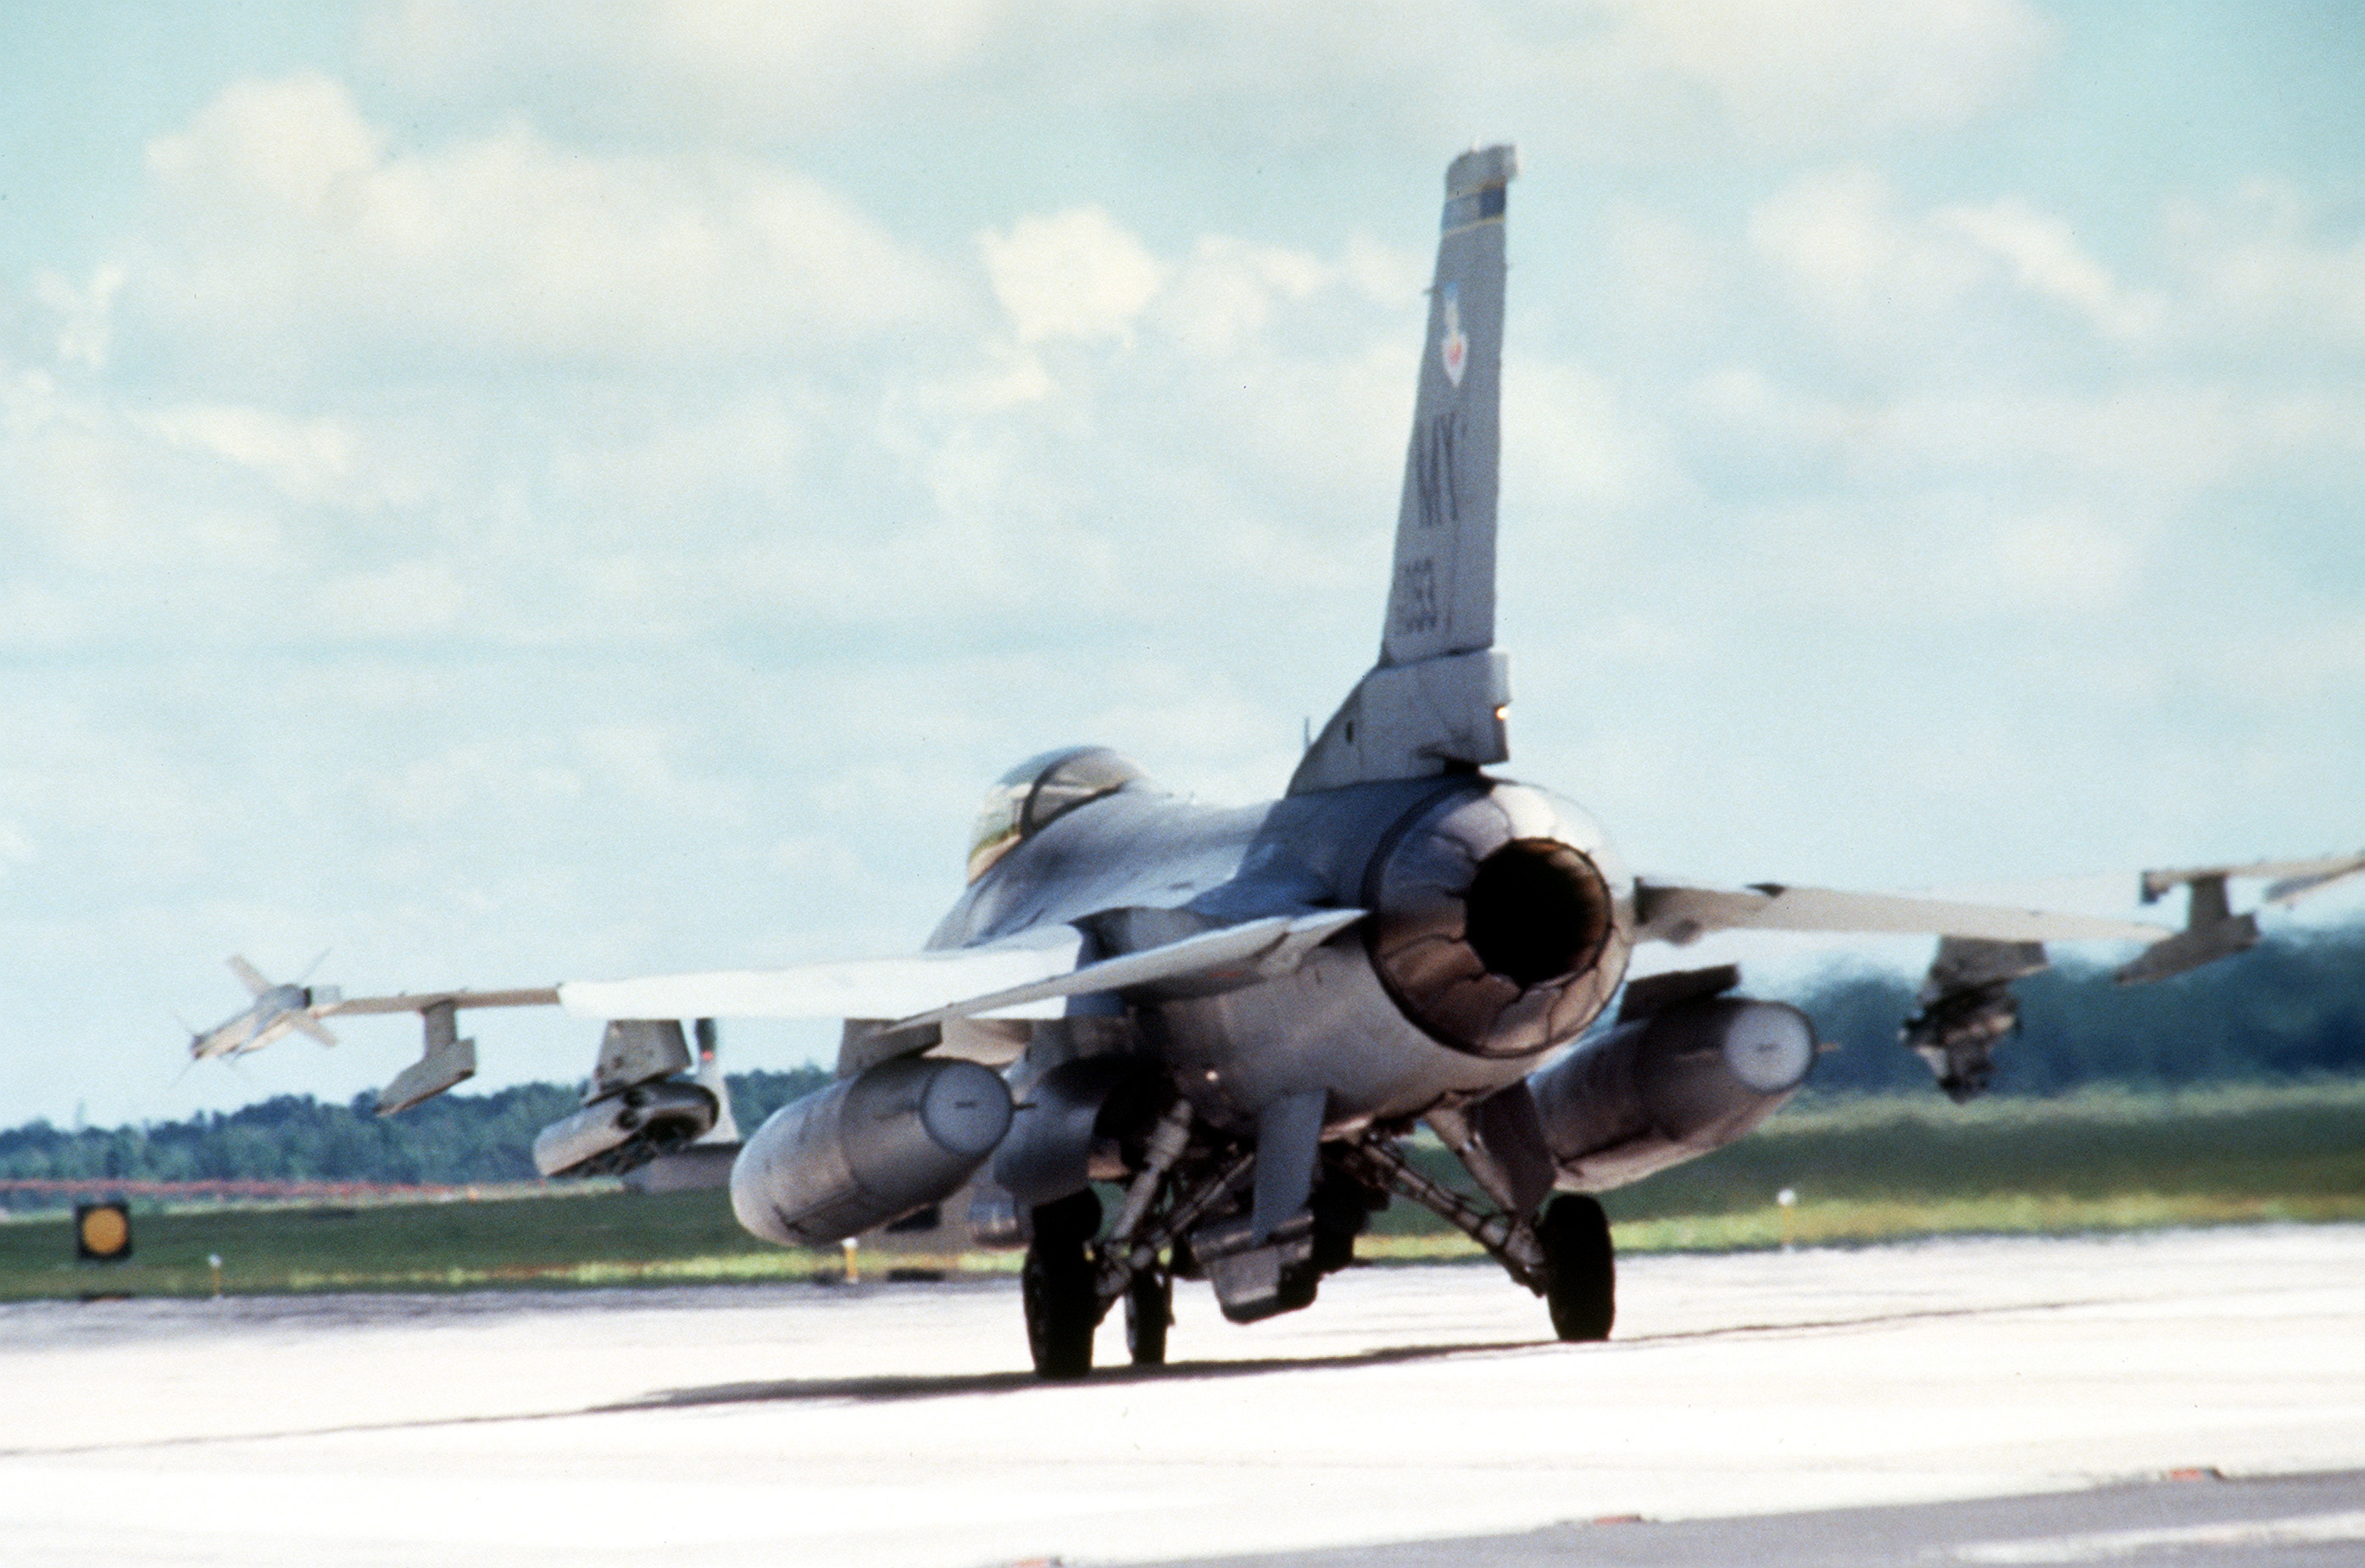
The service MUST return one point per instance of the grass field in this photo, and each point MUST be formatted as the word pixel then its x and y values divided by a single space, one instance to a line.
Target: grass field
pixel 1864 1171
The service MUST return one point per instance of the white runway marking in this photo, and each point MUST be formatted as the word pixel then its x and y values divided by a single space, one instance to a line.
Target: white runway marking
pixel 2100 1546
pixel 896 1424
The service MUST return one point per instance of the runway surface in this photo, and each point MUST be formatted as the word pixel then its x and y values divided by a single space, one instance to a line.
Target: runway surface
pixel 892 1425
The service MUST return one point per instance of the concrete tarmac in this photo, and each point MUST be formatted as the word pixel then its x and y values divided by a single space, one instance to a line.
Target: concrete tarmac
pixel 2197 1520
pixel 890 1424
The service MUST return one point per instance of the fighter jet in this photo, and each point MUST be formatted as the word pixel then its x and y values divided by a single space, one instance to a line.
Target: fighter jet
pixel 1235 1020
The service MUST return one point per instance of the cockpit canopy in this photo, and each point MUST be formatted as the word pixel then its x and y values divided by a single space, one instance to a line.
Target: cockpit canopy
pixel 1037 792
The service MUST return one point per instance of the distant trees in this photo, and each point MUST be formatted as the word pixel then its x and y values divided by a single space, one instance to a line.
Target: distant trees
pixel 452 1139
pixel 2289 1008
pixel 755 1095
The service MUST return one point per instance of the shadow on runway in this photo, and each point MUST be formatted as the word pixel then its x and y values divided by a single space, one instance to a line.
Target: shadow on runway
pixel 889 1388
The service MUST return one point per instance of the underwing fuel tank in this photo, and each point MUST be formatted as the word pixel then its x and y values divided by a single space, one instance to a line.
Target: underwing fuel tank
pixel 871 1148
pixel 1656 1091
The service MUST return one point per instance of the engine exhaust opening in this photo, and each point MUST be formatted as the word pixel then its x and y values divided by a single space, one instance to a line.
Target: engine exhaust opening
pixel 1496 931
pixel 1537 910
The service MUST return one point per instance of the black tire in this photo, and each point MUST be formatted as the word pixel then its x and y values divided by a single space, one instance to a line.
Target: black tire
pixel 1149 1313
pixel 1056 1287
pixel 1581 1269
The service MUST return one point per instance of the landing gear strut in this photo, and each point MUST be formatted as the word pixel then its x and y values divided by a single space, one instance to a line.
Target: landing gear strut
pixel 1580 1271
pixel 1056 1285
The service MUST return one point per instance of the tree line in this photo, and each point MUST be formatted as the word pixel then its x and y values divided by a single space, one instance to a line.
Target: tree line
pixel 2294 1007
pixel 452 1140
pixel 2290 1008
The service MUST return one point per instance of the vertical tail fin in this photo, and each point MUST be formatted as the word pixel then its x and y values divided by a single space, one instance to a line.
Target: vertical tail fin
pixel 1435 698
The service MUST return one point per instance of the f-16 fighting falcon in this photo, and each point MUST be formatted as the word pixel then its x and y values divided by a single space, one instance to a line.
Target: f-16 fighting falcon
pixel 1232 1020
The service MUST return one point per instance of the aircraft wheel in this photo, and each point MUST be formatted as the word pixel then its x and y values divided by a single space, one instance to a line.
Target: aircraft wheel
pixel 1149 1311
pixel 1056 1285
pixel 1581 1284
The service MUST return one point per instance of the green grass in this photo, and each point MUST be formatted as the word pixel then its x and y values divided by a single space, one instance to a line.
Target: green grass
pixel 589 1239
pixel 2304 1142
pixel 1862 1170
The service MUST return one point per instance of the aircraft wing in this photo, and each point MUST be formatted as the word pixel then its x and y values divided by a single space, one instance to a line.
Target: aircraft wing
pixel 1028 975
pixel 1679 914
pixel 420 1001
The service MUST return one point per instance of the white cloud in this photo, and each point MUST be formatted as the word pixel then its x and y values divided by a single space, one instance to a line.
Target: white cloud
pixel 2044 257
pixel 290 230
pixel 1808 70
pixel 1228 292
pixel 15 848
pixel 84 313
pixel 411 599
pixel 1631 74
pixel 809 63
pixel 307 461
pixel 1577 450
pixel 1858 261
pixel 474 783
pixel 2151 446
pixel 1074 274
pixel 1880 274
pixel 92 490
pixel 2259 265
pixel 2066 562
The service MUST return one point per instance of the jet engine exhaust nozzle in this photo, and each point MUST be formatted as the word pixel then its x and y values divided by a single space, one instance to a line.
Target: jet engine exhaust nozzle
pixel 1499 924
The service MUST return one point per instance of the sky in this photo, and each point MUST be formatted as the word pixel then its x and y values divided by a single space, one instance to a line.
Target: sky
pixel 501 493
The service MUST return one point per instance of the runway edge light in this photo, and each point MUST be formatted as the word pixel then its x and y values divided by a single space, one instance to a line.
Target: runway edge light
pixel 102 1232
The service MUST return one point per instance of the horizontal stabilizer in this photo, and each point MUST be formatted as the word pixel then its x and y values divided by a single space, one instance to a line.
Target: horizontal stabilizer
pixel 1254 949
pixel 1025 977
pixel 1680 914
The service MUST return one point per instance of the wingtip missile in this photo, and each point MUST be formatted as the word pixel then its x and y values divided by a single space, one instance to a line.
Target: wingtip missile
pixel 276 1010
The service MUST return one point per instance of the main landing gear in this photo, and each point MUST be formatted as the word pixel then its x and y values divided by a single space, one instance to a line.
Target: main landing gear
pixel 1563 1252
pixel 1059 1287
pixel 1580 1270
pixel 1063 1306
